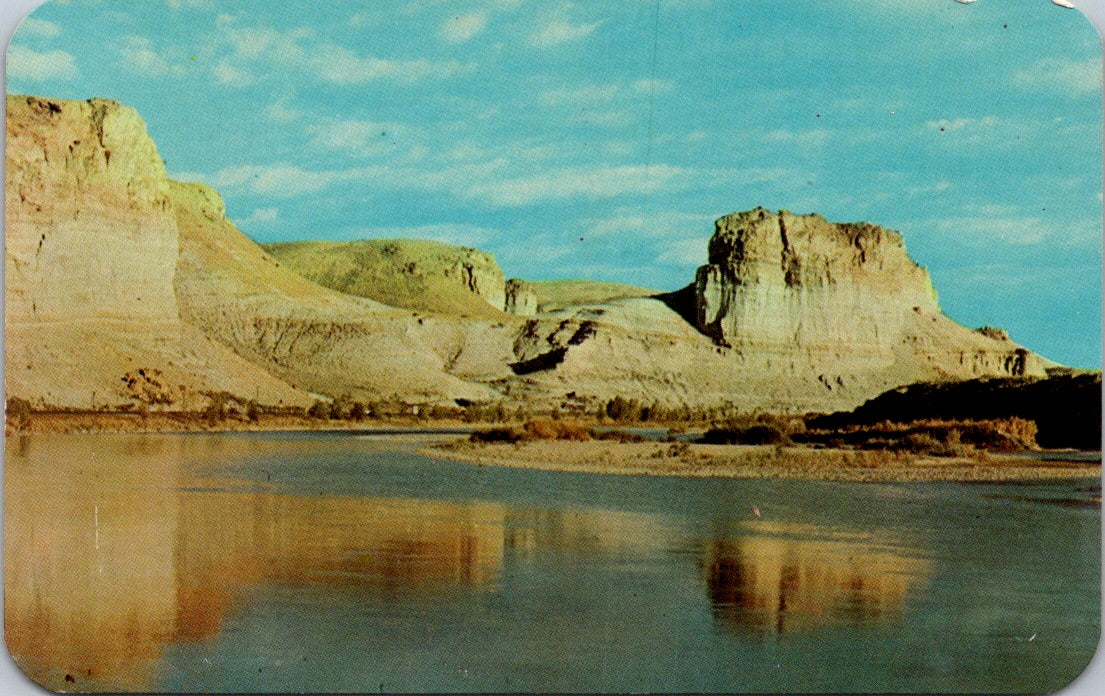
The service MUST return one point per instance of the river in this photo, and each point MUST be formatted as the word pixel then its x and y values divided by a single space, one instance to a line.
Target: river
pixel 333 562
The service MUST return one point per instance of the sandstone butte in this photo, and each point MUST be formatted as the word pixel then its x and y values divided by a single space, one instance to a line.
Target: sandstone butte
pixel 124 287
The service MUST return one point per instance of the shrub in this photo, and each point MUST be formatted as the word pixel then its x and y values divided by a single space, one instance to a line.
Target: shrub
pixel 623 410
pixel 618 435
pixel 18 412
pixel 357 411
pixel 679 449
pixel 439 412
pixel 496 435
pixel 921 443
pixel 319 410
pixel 758 434
pixel 549 429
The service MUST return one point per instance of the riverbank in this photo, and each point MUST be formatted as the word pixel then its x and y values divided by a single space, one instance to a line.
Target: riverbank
pixel 750 461
pixel 174 422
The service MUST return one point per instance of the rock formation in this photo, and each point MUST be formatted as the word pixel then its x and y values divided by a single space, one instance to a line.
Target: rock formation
pixel 521 298
pixel 828 293
pixel 778 280
pixel 91 251
pixel 125 287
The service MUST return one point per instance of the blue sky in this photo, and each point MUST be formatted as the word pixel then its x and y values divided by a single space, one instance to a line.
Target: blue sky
pixel 601 139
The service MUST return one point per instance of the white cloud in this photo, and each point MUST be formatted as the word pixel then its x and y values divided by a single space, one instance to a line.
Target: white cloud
pixel 461 28
pixel 263 42
pixel 958 124
pixel 604 118
pixel 653 86
pixel 941 186
pixel 685 252
pixel 260 216
pixel 365 19
pixel 37 28
pixel 280 180
pixel 26 64
pixel 227 74
pixel 1075 77
pixel 806 138
pixel 280 112
pixel 339 65
pixel 194 4
pixel 632 223
pixel 1018 231
pixel 576 182
pixel 359 137
pixel 329 62
pixel 138 53
pixel 558 31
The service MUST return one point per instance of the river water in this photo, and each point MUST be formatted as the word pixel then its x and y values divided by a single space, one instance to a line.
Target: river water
pixel 331 562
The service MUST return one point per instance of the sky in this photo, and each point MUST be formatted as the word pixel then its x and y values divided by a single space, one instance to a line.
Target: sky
pixel 601 139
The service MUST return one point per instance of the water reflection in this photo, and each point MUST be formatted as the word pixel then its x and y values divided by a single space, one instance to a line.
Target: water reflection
pixel 117 547
pixel 108 558
pixel 785 578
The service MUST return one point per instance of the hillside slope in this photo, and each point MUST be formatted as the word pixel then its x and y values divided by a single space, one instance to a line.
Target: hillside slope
pixel 409 273
pixel 124 287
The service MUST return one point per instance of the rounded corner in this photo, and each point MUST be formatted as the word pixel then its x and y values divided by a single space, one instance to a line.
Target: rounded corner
pixel 1090 678
pixel 15 678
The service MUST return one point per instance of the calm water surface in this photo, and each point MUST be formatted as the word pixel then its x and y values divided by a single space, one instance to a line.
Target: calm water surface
pixel 326 562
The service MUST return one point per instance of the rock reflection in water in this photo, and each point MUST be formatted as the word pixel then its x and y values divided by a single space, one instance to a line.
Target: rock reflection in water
pixel 110 556
pixel 779 579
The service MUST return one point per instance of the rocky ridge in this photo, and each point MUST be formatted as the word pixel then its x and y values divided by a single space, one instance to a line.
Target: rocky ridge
pixel 126 287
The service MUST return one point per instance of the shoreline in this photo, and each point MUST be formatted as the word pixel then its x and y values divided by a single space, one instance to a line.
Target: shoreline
pixel 756 461
pixel 167 423
pixel 650 458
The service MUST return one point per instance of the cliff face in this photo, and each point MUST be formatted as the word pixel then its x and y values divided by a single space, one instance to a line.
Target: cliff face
pixel 788 280
pixel 829 294
pixel 521 298
pixel 91 315
pixel 126 287
pixel 90 232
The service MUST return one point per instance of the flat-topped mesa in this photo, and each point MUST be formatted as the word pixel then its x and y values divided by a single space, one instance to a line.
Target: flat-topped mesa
pixel 799 280
pixel 802 288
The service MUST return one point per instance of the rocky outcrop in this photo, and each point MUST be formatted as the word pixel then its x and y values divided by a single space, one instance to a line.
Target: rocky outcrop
pixel 521 298
pixel 125 287
pixel 830 294
pixel 778 280
pixel 91 251
pixel 90 232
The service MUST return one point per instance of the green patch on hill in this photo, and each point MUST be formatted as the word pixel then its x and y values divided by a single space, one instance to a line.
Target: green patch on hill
pixel 413 274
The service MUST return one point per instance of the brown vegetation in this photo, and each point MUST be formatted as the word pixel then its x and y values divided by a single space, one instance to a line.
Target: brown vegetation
pixel 945 438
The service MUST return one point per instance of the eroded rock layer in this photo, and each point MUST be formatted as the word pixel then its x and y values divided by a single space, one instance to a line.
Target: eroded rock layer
pixel 124 287
pixel 837 297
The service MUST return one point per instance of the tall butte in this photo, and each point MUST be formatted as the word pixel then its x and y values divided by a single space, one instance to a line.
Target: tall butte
pixel 839 297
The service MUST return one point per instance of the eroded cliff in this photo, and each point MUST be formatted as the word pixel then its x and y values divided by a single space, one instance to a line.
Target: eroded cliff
pixel 126 287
